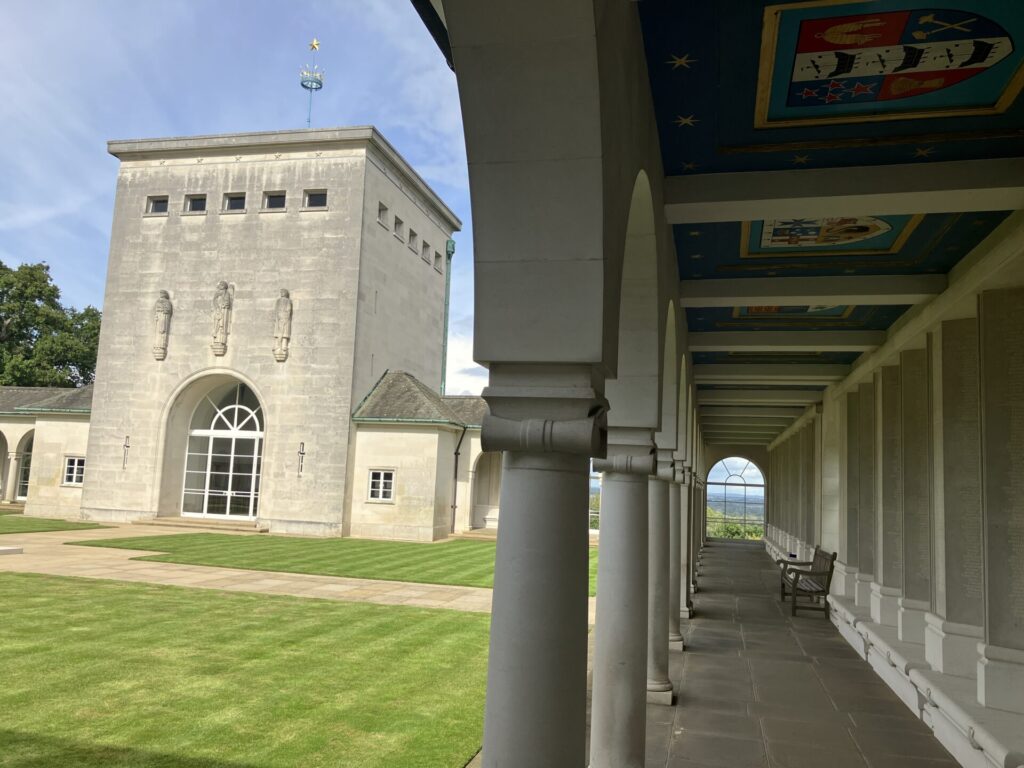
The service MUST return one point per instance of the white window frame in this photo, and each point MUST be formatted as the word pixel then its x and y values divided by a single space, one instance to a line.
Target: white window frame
pixel 384 495
pixel 74 467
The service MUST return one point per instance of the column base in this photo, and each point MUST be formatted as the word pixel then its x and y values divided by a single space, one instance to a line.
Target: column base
pixel 659 696
pixel 676 645
pixel 686 612
pixel 885 607
pixel 844 580
pixel 862 594
pixel 910 619
pixel 951 649
pixel 1001 678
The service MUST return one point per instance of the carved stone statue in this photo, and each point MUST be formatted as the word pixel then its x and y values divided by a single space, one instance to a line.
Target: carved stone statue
pixel 221 318
pixel 162 311
pixel 282 325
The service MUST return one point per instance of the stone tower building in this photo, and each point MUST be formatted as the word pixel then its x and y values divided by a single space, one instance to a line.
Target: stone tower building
pixel 259 284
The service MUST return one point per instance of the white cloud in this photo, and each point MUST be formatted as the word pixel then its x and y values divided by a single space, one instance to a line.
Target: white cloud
pixel 464 377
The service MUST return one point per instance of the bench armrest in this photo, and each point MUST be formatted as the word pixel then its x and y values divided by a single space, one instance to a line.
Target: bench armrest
pixel 802 572
pixel 780 561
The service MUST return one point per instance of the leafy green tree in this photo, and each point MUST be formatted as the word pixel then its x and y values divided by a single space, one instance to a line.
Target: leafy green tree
pixel 42 341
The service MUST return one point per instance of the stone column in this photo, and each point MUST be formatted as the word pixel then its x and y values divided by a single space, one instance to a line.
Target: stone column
pixel 659 686
pixel 866 495
pixel 916 440
pixel 887 586
pixel 694 535
pixel 619 704
pixel 686 565
pixel 954 627
pixel 11 486
pixel 535 712
pixel 675 560
pixel 1001 666
pixel 846 562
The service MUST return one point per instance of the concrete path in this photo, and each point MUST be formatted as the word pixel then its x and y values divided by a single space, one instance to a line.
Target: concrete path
pixel 47 553
pixel 759 689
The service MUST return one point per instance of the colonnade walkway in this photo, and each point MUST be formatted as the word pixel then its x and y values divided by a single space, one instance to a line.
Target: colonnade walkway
pixel 757 687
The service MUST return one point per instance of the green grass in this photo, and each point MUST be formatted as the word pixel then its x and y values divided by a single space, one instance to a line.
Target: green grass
pixel 460 563
pixel 21 524
pixel 101 674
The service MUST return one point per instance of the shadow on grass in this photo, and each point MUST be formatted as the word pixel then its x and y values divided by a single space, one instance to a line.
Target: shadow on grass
pixel 32 750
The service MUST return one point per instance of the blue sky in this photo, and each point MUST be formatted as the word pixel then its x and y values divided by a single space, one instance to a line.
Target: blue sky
pixel 79 72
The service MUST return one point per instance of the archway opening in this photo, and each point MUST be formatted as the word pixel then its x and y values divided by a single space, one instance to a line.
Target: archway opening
pixel 24 468
pixel 735 500
pixel 224 454
pixel 486 490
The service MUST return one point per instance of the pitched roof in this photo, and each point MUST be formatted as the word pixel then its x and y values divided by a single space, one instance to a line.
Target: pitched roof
pixel 401 397
pixel 46 399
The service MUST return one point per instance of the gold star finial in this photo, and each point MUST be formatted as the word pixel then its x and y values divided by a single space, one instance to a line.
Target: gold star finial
pixel 689 120
pixel 683 61
pixel 314 45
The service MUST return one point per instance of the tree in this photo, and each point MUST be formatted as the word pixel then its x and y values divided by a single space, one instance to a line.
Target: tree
pixel 42 342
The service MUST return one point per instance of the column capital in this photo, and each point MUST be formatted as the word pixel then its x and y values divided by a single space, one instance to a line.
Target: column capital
pixel 545 409
pixel 630 451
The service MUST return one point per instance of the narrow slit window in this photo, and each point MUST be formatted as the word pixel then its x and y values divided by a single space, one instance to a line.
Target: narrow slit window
pixel 399 228
pixel 438 263
pixel 425 252
pixel 382 215
pixel 414 240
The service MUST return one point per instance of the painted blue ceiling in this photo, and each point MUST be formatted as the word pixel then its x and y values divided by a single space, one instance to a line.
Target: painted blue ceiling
pixel 932 243
pixel 729 94
pixel 855 318
pixel 801 358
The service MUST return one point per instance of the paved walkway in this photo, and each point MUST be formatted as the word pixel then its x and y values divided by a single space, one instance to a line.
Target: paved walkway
pixel 47 553
pixel 758 688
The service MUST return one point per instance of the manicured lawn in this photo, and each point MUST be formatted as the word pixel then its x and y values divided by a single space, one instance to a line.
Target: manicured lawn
pixel 10 523
pixel 462 562
pixel 100 674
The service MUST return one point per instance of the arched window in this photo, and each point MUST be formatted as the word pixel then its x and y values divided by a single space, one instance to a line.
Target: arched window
pixel 735 500
pixel 224 460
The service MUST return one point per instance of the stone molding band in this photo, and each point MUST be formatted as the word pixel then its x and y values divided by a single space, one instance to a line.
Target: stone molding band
pixel 588 436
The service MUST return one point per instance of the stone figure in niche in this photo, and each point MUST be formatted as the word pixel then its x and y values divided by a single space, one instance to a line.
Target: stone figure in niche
pixel 221 318
pixel 282 325
pixel 162 311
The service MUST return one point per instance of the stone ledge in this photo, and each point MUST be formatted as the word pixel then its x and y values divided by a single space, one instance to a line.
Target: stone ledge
pixel 977 736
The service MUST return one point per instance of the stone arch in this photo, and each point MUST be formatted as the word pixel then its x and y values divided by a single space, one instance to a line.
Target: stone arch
pixel 485 491
pixel 22 476
pixel 175 423
pixel 737 487
pixel 635 393
pixel 668 436
pixel 4 466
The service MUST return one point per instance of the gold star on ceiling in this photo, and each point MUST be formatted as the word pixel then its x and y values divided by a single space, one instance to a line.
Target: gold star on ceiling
pixel 923 151
pixel 689 166
pixel 314 45
pixel 683 61
pixel 686 121
pixel 800 159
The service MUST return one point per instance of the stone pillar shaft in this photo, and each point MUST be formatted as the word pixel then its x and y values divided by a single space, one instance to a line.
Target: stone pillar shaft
pixel 659 687
pixel 887 586
pixel 537 672
pixel 866 495
pixel 686 565
pixel 619 708
pixel 674 566
pixel 11 486
pixel 915 439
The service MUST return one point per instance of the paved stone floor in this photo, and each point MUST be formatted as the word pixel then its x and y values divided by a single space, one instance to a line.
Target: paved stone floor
pixel 759 688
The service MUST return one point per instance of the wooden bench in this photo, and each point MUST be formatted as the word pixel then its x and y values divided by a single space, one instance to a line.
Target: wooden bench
pixel 810 578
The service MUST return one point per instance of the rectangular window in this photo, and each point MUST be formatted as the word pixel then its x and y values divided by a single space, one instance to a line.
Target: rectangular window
pixel 316 198
pixel 414 241
pixel 274 201
pixel 425 252
pixel 156 204
pixel 382 485
pixel 195 203
pixel 438 264
pixel 234 201
pixel 382 215
pixel 399 228
pixel 74 470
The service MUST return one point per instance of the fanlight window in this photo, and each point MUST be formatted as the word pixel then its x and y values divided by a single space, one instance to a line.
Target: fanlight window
pixel 735 490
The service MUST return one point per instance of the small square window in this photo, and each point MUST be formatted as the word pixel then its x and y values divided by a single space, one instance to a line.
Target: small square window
pixel 399 228
pixel 195 203
pixel 274 201
pixel 234 201
pixel 438 264
pixel 74 470
pixel 382 214
pixel 425 252
pixel 382 485
pixel 414 241
pixel 156 204
pixel 316 199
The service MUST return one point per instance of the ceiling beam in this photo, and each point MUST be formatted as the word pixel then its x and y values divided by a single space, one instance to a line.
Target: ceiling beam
pixel 781 421
pixel 829 291
pixel 785 341
pixel 737 441
pixel 758 397
pixel 766 373
pixel 750 413
pixel 949 187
